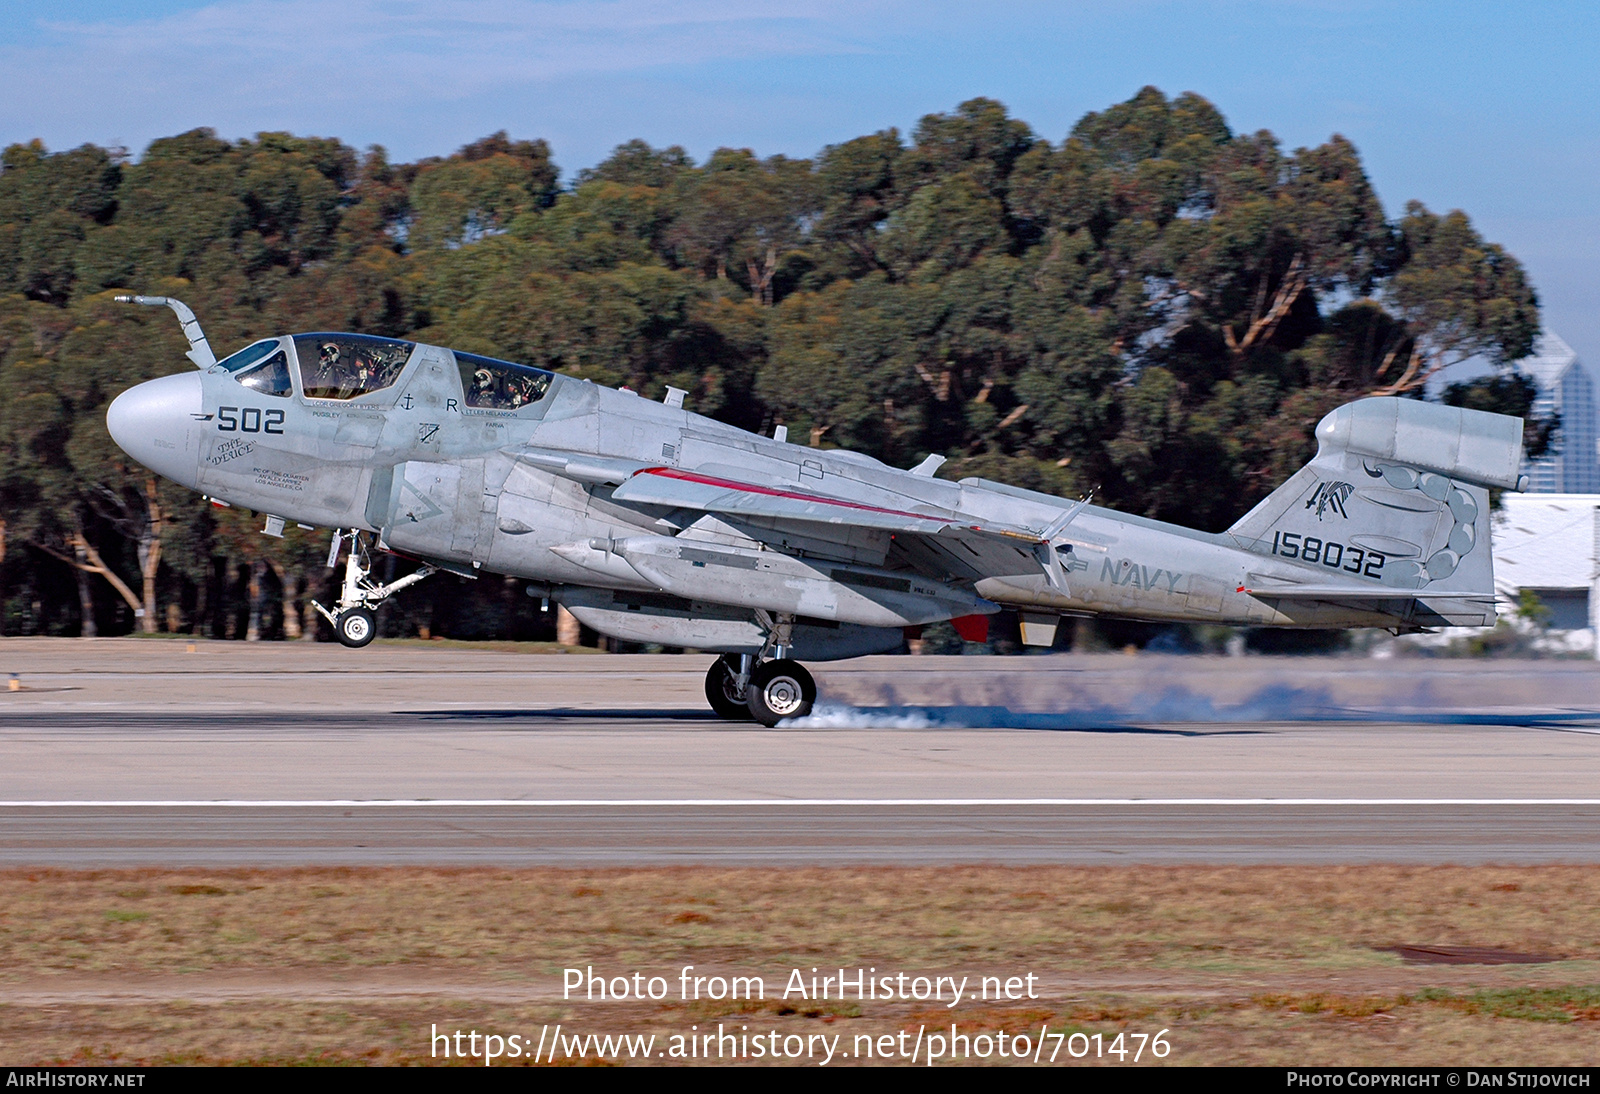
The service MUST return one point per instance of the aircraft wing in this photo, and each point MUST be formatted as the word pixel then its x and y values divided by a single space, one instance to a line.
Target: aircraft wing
pixel 973 552
pixel 938 541
pixel 691 490
pixel 593 470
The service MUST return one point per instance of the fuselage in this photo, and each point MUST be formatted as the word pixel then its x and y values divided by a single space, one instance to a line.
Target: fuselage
pixel 480 465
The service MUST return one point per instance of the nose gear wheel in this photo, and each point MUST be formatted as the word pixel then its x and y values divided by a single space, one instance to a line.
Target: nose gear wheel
pixel 356 627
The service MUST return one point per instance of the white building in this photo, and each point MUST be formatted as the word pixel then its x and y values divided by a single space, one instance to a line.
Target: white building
pixel 1565 388
pixel 1549 544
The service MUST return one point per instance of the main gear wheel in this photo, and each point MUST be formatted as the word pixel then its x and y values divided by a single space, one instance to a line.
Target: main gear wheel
pixel 779 690
pixel 723 692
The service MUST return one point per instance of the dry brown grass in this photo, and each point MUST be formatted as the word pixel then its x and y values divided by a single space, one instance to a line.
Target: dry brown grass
pixel 1242 964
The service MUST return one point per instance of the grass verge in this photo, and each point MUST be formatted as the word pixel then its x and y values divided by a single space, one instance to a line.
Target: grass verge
pixel 1238 964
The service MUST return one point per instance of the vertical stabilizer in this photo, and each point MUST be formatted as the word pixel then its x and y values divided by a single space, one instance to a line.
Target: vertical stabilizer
pixel 1397 493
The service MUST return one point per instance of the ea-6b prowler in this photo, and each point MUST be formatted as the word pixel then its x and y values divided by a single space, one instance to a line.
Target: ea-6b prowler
pixel 653 524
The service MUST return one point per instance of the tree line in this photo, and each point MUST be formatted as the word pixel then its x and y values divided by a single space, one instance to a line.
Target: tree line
pixel 1156 309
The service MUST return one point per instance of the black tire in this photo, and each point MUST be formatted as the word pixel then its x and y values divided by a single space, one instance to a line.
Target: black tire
pixel 780 689
pixel 722 693
pixel 356 627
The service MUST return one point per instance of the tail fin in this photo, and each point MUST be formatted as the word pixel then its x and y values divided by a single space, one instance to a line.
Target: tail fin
pixel 1398 492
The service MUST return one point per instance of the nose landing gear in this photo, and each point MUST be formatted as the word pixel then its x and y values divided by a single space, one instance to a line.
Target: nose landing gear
pixel 353 619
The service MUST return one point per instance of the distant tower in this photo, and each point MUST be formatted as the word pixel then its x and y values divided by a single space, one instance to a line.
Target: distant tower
pixel 1564 387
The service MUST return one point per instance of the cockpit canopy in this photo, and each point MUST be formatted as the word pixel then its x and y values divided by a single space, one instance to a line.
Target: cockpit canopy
pixel 500 385
pixel 344 366
pixel 347 366
pixel 332 366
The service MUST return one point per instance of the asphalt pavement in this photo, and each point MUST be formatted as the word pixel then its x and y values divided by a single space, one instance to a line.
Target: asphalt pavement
pixel 140 752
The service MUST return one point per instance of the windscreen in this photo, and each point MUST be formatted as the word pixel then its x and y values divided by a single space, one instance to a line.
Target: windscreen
pixel 270 377
pixel 248 356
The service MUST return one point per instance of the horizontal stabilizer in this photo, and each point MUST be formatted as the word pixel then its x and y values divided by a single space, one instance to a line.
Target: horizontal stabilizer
pixel 1349 592
pixel 1408 607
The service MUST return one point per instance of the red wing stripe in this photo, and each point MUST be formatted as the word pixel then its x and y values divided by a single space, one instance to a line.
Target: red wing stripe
pixel 729 484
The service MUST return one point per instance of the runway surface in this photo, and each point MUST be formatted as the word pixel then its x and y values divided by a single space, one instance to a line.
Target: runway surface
pixel 787 835
pixel 138 753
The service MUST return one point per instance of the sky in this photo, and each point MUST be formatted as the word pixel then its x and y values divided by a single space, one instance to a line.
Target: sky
pixel 1483 106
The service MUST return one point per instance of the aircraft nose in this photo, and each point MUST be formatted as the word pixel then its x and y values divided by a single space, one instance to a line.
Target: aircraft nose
pixel 157 423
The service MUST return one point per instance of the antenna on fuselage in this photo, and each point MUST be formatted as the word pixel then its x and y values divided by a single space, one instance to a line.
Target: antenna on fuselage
pixel 199 349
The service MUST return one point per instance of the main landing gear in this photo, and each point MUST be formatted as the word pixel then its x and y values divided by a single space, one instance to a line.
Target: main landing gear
pixel 727 683
pixel 354 621
pixel 742 687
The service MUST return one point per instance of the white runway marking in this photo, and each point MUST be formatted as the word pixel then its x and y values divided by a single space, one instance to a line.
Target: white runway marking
pixel 560 803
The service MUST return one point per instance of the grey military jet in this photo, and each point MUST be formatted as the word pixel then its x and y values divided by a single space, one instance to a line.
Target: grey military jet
pixel 653 524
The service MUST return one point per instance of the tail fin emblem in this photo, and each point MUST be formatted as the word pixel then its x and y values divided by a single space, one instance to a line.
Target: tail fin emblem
pixel 1330 495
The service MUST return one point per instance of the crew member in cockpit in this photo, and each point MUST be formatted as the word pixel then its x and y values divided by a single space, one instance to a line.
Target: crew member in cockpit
pixel 388 364
pixel 331 372
pixel 360 378
pixel 327 363
pixel 524 390
pixel 482 388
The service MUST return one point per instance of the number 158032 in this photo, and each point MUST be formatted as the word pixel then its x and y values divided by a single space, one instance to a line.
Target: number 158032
pixel 1335 556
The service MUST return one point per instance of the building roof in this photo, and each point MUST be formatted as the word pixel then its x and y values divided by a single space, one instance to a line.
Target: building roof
pixel 1545 541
